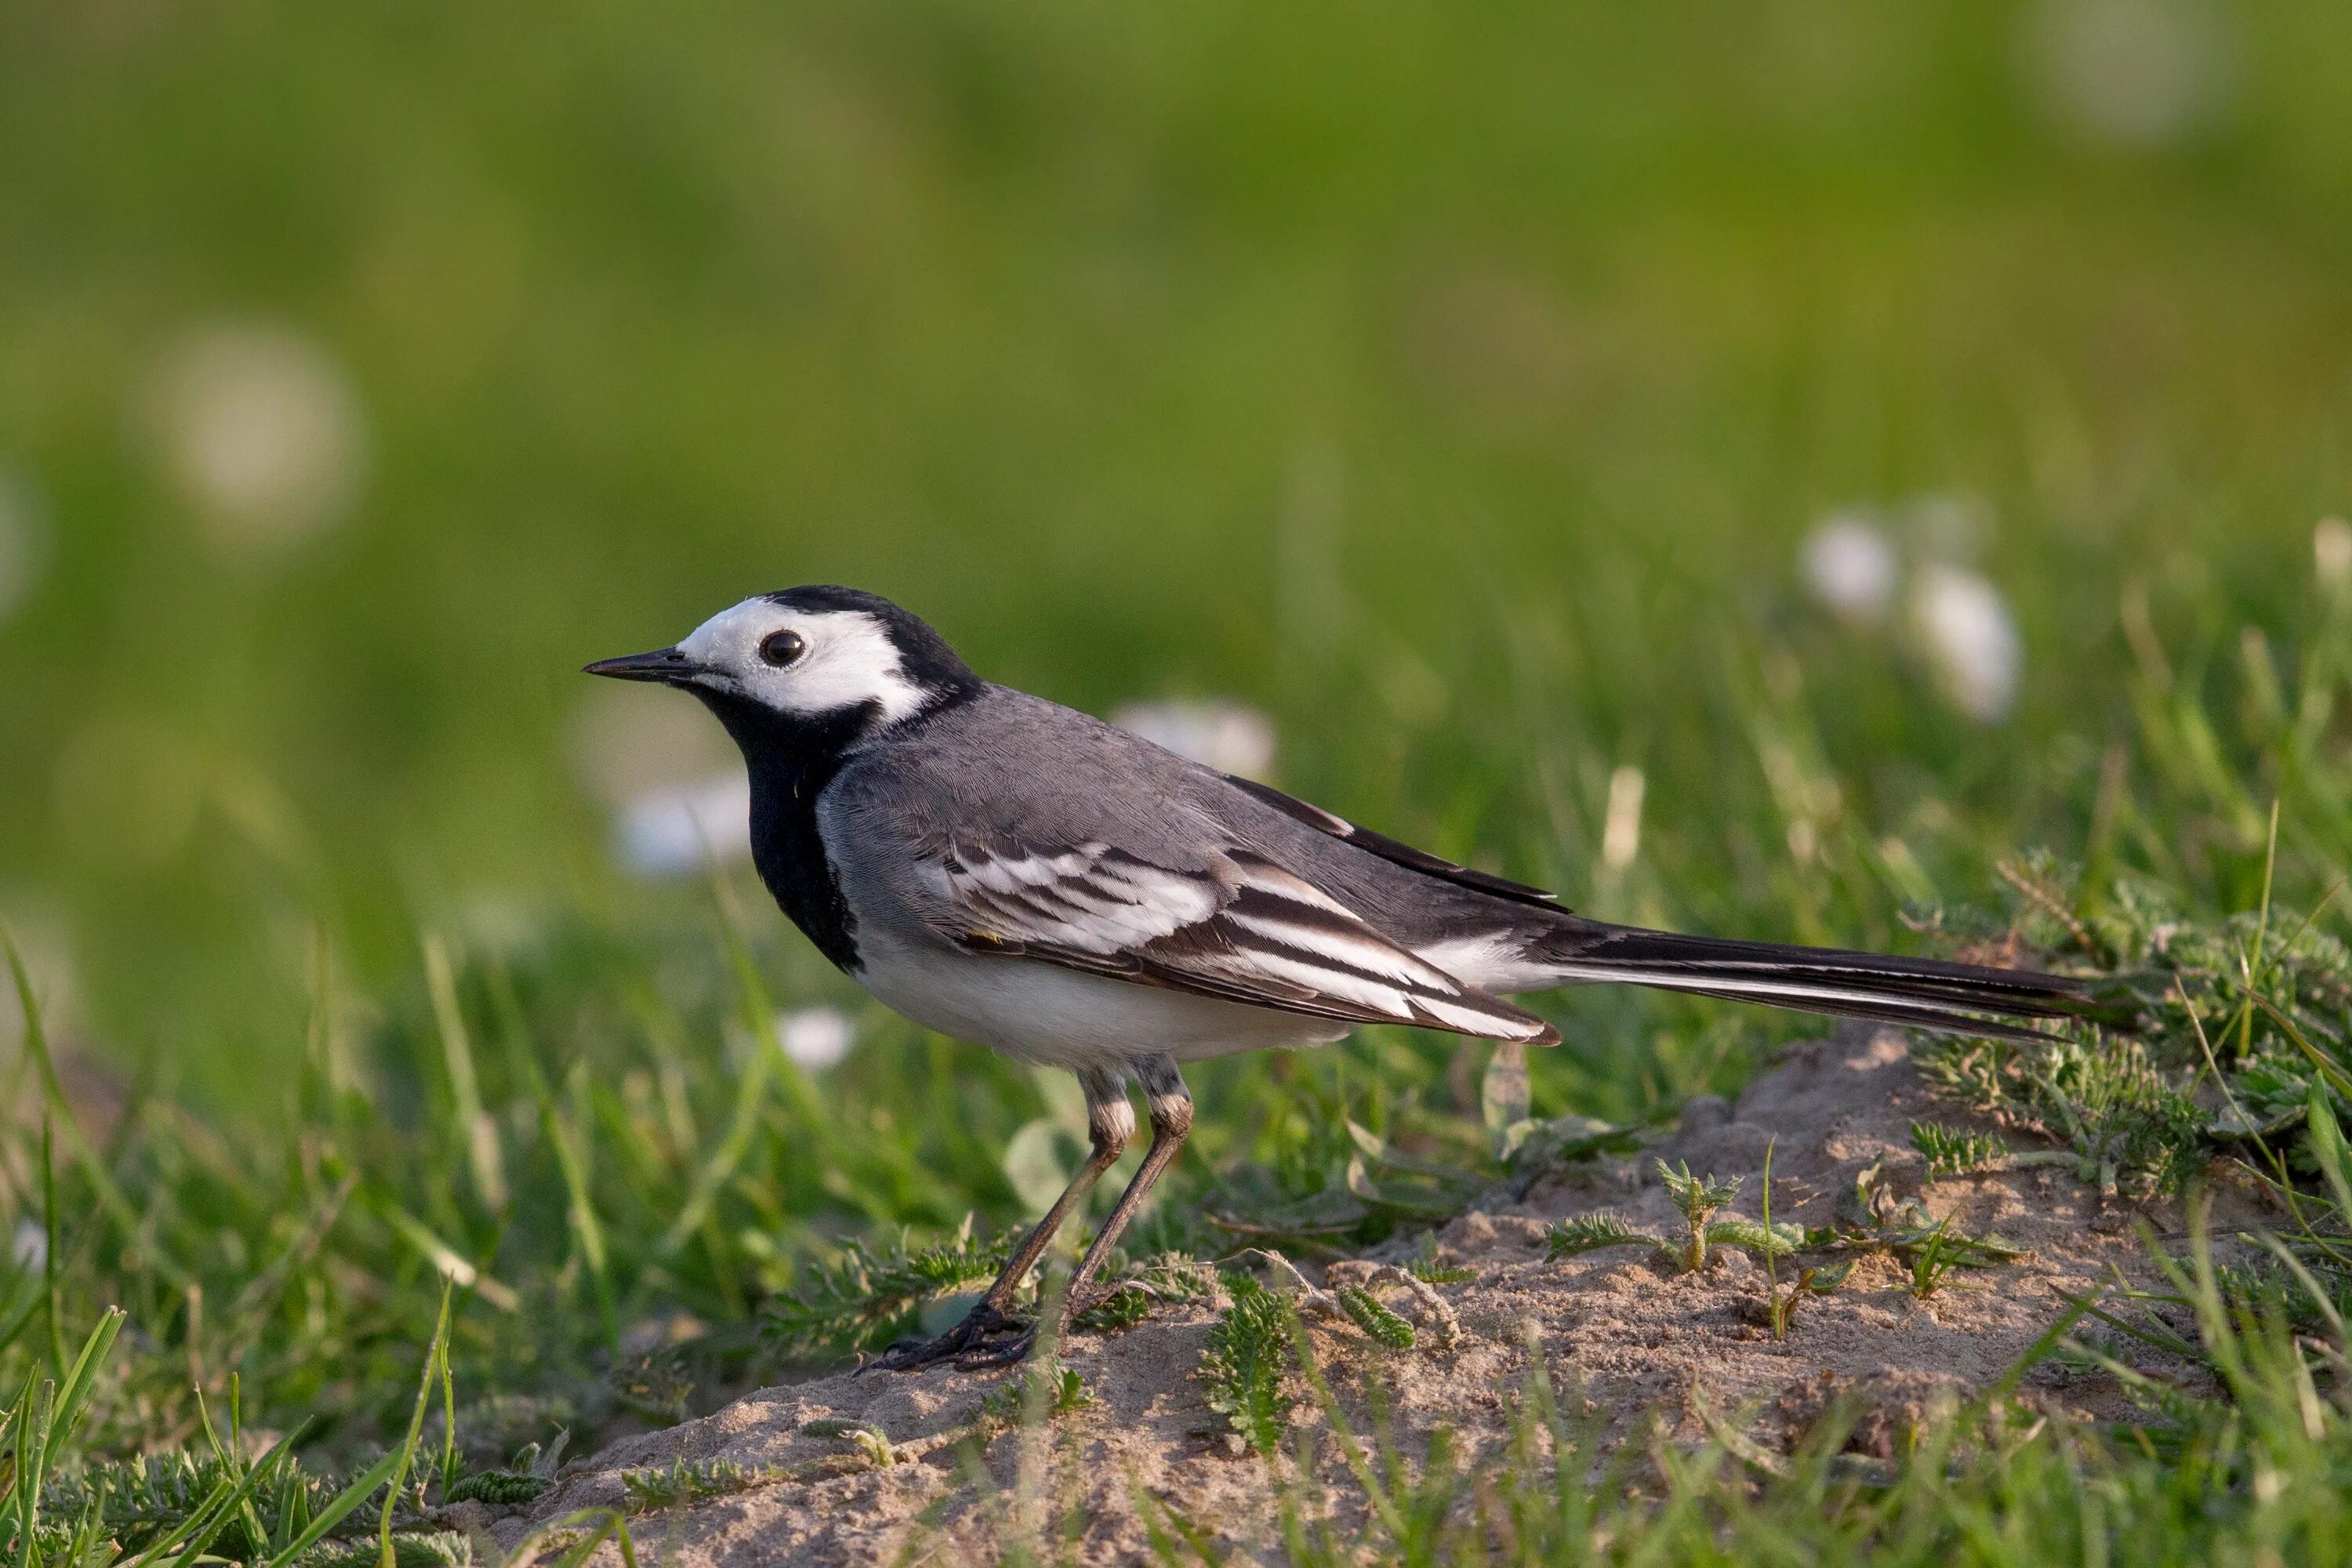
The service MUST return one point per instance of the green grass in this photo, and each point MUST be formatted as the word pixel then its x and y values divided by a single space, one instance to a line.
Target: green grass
pixel 1454 385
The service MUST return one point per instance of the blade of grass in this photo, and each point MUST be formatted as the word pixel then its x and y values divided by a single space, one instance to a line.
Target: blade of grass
pixel 49 1250
pixel 1771 1279
pixel 611 1525
pixel 580 1206
pixel 36 1045
pixel 32 1463
pixel 434 1353
pixel 201 1532
pixel 335 1512
pixel 2327 1145
pixel 759 1020
pixel 75 1390
pixel 480 1130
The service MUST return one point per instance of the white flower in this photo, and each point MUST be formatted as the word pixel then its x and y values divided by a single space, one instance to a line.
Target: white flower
pixel 1970 637
pixel 30 1246
pixel 2331 551
pixel 23 542
pixel 1850 566
pixel 1228 736
pixel 815 1037
pixel 261 431
pixel 1620 833
pixel 671 831
pixel 2134 73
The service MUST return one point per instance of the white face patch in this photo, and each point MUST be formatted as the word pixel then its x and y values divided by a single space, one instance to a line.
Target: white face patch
pixel 849 660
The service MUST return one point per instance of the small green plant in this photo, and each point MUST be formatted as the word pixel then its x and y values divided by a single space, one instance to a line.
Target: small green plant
pixel 1128 1299
pixel 1596 1231
pixel 1700 1200
pixel 1933 1260
pixel 409 1549
pixel 1423 1266
pixel 1780 1306
pixel 1955 1150
pixel 685 1481
pixel 1365 1310
pixel 1248 1353
pixel 870 1441
pixel 1124 1308
pixel 1781 1302
pixel 862 1294
pixel 1872 1218
pixel 1049 1388
pixel 497 1487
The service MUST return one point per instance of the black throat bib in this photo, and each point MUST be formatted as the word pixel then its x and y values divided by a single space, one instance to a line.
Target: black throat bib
pixel 791 761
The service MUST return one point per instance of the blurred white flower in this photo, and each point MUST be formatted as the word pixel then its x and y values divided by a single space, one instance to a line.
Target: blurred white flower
pixel 671 831
pixel 2331 551
pixel 815 1037
pixel 261 431
pixel 1620 833
pixel 29 1247
pixel 2135 73
pixel 1850 566
pixel 23 542
pixel 1228 736
pixel 671 776
pixel 1970 637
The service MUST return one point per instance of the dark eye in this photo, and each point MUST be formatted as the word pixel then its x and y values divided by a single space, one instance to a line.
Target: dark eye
pixel 780 648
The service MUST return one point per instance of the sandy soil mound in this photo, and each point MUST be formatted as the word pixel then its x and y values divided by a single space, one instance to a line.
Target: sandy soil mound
pixel 1630 1338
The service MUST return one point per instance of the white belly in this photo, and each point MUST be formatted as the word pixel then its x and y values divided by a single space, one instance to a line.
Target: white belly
pixel 1064 1017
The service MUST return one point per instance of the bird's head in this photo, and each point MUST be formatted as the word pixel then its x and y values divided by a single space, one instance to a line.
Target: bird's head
pixel 835 660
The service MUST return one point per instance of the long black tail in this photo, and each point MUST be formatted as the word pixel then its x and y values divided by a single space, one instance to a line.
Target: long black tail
pixel 1924 993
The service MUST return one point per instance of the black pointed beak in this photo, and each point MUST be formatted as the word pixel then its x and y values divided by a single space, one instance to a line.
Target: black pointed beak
pixel 666 665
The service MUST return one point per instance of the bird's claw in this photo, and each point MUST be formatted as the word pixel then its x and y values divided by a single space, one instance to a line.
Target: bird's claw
pixel 968 1344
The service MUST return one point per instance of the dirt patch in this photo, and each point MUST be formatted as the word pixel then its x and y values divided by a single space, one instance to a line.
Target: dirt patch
pixel 1628 1337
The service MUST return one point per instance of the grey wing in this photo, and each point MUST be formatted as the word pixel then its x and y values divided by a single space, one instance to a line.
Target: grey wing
pixel 1239 927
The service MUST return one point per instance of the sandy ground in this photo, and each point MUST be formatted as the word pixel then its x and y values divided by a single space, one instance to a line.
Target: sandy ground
pixel 1628 1338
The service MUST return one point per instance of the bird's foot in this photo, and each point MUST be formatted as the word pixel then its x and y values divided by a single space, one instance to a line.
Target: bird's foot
pixel 986 1337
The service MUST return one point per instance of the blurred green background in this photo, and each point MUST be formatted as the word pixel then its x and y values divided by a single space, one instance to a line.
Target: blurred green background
pixel 1458 385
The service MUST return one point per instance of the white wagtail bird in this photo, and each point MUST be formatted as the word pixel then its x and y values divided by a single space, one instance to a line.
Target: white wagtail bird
pixel 1015 873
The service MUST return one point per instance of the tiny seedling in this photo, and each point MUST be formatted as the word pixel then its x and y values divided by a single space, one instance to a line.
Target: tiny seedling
pixel 871 1441
pixel 1934 1258
pixel 1699 1199
pixel 1049 1388
pixel 1957 1150
pixel 1780 1305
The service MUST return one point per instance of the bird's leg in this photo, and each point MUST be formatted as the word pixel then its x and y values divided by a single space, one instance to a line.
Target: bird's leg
pixel 1110 1122
pixel 1171 1118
